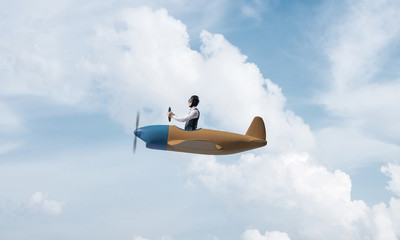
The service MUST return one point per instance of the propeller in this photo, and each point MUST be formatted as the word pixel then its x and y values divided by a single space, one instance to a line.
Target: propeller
pixel 169 110
pixel 137 125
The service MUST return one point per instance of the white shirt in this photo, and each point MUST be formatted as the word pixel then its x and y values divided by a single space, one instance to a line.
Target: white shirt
pixel 192 114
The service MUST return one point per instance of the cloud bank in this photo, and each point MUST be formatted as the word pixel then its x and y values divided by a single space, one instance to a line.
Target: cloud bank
pixel 141 59
pixel 319 201
pixel 363 85
pixel 159 69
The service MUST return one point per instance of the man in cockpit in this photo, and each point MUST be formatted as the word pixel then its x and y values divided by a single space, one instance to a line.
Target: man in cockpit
pixel 192 117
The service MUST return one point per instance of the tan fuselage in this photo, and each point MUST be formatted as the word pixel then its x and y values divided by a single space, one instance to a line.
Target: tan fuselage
pixel 212 142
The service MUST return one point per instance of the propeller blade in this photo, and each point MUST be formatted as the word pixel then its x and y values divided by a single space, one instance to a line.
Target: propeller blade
pixel 137 126
pixel 137 119
pixel 169 110
pixel 134 145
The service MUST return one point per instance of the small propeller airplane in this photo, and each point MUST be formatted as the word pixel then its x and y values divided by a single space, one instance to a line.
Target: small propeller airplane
pixel 201 141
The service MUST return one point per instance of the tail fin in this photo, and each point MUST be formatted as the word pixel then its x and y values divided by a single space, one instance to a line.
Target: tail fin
pixel 257 128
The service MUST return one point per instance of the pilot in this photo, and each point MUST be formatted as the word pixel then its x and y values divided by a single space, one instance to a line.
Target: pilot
pixel 192 117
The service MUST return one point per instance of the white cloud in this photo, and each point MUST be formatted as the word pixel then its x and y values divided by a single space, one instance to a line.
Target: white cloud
pixel 40 201
pixel 362 96
pixel 159 69
pixel 254 234
pixel 141 59
pixel 393 171
pixel 373 107
pixel 359 42
pixel 254 9
pixel 395 214
pixel 38 52
pixel 382 223
pixel 346 147
pixel 318 201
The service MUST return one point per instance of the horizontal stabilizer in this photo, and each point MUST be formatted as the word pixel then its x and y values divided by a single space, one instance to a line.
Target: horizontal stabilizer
pixel 257 128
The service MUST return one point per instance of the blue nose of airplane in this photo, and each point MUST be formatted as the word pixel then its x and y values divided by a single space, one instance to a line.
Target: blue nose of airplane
pixel 137 132
pixel 156 136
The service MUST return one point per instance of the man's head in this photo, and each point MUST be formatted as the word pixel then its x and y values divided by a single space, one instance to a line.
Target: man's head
pixel 194 101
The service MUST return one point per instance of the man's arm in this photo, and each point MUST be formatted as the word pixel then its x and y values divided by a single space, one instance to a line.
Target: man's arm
pixel 191 115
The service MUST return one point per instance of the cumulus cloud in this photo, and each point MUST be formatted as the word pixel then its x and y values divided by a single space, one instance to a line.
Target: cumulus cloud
pixel 356 51
pixel 159 69
pixel 141 59
pixel 363 92
pixel 393 171
pixel 315 197
pixel 35 61
pixel 395 214
pixel 382 224
pixel 254 234
pixel 319 201
pixel 40 201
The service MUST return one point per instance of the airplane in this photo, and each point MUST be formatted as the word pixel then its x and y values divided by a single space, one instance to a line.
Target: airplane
pixel 201 141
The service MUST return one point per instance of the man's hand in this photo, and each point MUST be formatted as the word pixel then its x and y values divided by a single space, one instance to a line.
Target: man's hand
pixel 171 114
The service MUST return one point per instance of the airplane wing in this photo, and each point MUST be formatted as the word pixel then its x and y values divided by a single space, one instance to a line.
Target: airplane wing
pixel 194 145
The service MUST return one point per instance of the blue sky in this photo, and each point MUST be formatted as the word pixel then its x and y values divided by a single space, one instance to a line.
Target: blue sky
pixel 323 75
